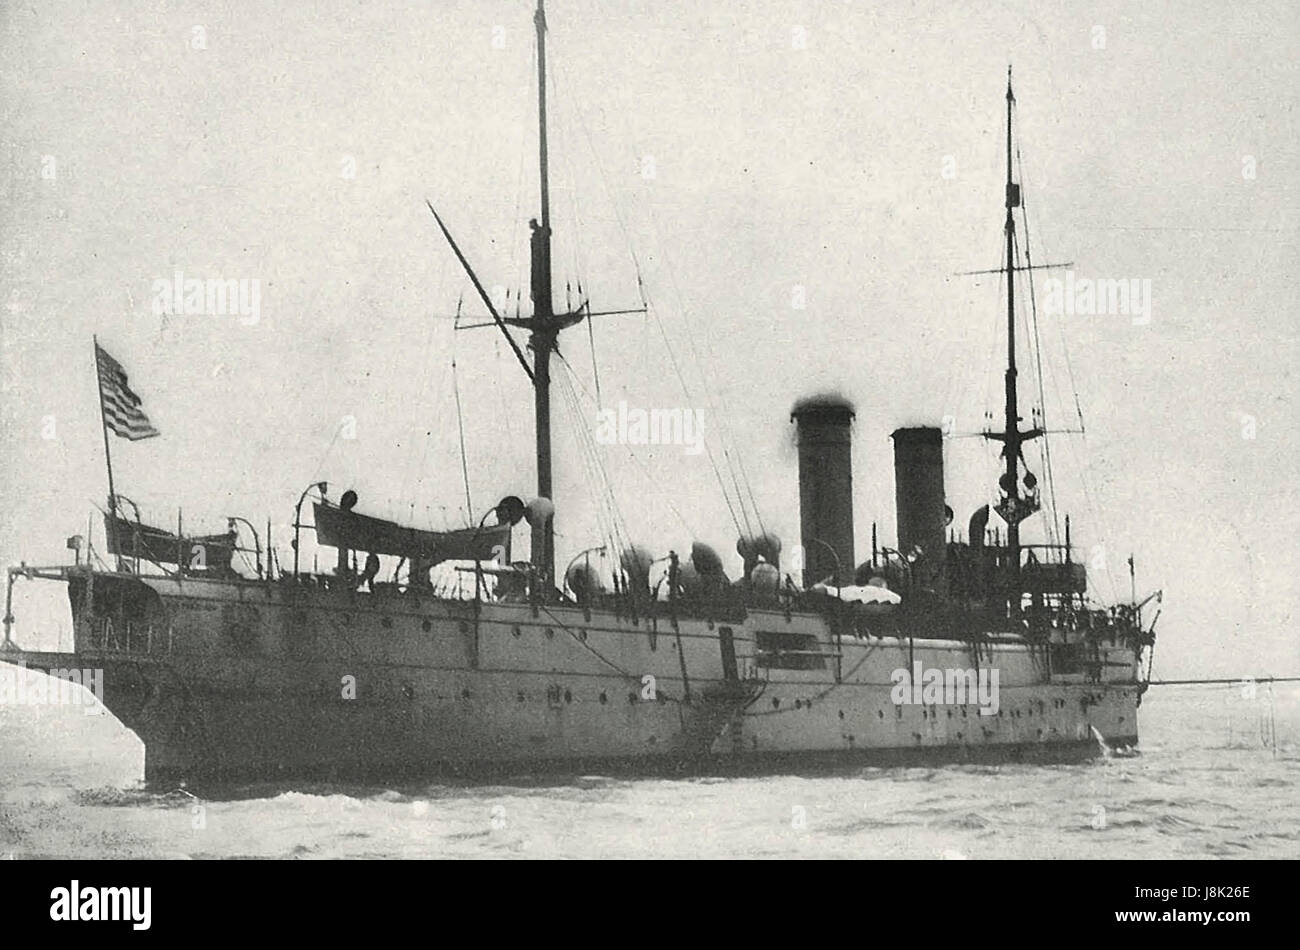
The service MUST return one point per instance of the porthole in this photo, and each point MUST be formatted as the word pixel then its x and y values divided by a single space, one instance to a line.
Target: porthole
pixel 515 631
pixel 582 635
pixel 426 625
pixel 386 623
pixel 464 694
pixel 519 696
pixel 880 714
pixel 550 633
pixel 568 696
pixel 604 698
pixel 464 627
pixel 776 702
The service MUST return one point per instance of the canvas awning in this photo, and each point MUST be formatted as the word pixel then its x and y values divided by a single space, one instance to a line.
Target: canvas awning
pixel 859 594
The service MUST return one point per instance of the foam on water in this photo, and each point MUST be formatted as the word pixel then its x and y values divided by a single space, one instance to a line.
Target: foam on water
pixel 1207 784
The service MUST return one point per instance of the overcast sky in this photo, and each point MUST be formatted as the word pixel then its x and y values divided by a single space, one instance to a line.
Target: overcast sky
pixel 744 155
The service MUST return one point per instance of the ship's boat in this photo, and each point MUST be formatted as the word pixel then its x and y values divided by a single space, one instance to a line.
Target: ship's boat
pixel 462 659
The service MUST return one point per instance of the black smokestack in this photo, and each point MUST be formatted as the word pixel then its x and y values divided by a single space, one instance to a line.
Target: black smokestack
pixel 825 488
pixel 918 493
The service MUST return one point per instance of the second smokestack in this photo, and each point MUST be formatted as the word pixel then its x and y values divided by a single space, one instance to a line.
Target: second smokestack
pixel 918 493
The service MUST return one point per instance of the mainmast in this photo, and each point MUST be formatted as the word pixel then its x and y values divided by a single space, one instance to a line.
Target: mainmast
pixel 1014 507
pixel 1011 447
pixel 543 325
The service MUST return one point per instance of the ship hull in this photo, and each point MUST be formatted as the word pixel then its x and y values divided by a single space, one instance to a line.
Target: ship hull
pixel 249 681
pixel 232 738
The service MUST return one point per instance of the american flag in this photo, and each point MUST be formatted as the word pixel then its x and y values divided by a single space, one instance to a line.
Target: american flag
pixel 122 413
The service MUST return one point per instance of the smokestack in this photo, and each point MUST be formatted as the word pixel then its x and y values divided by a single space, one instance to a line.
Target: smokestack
pixel 918 493
pixel 825 488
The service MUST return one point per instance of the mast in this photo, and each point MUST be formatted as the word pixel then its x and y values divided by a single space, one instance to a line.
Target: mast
pixel 543 325
pixel 1011 445
pixel 1014 506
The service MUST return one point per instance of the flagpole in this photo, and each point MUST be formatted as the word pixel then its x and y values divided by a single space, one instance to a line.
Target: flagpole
pixel 103 424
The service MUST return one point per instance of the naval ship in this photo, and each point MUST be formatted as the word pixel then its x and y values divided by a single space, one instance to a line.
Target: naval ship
pixel 947 646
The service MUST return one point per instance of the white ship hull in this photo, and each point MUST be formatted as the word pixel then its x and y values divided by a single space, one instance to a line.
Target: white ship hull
pixel 249 679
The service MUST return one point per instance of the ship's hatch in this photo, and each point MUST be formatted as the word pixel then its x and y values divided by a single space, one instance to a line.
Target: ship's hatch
pixel 789 651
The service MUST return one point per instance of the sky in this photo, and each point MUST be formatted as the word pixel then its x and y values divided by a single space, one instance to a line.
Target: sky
pixel 796 185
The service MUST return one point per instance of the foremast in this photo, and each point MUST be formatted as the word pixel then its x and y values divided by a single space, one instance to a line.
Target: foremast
pixel 545 324
pixel 544 327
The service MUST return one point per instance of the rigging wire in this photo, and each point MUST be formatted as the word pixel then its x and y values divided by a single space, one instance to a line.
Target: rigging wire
pixel 708 449
pixel 632 456
pixel 1046 450
pixel 616 532
pixel 735 467
pixel 1089 496
pixel 1053 529
pixel 460 419
pixel 613 529
pixel 595 369
pixel 677 368
pixel 577 249
pixel 604 525
pixel 611 525
pixel 995 363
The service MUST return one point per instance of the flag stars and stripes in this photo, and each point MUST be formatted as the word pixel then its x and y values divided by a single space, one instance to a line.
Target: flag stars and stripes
pixel 122 412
